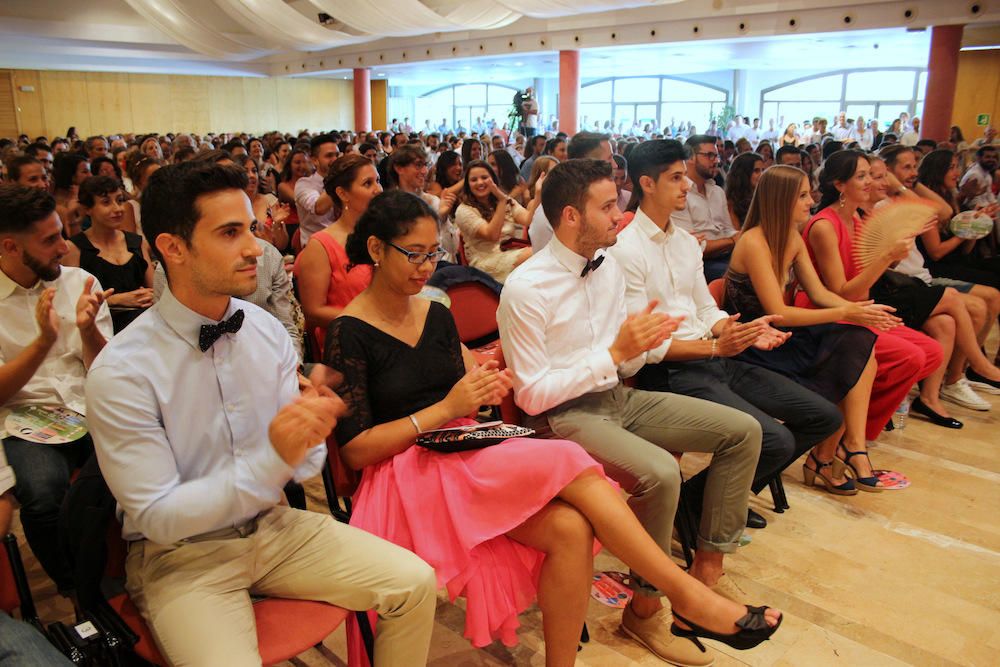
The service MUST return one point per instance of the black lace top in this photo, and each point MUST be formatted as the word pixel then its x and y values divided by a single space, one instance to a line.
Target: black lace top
pixel 384 378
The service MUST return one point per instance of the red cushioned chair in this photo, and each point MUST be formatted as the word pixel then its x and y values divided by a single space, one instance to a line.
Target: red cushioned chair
pixel 285 628
pixel 474 308
pixel 718 290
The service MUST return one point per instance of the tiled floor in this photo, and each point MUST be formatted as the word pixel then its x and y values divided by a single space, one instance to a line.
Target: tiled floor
pixel 903 577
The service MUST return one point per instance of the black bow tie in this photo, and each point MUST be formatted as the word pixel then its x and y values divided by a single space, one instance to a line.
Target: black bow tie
pixel 212 332
pixel 591 266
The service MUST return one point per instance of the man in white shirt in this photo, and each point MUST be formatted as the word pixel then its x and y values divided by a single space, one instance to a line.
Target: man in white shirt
pixel 197 439
pixel 980 193
pixel 55 322
pixel 313 204
pixel 737 131
pixel 841 131
pixel 912 136
pixel 706 213
pixel 753 133
pixel 770 134
pixel 583 145
pixel 568 340
pixel 661 263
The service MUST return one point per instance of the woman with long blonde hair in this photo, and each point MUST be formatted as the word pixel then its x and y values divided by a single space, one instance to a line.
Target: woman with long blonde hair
pixel 833 359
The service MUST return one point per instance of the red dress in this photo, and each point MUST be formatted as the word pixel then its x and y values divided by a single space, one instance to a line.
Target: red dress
pixel 904 356
pixel 346 281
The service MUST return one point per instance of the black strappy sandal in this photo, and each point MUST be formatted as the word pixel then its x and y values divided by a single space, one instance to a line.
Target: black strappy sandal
pixel 753 630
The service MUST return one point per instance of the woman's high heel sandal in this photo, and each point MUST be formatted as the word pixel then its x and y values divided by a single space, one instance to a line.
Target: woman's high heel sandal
pixel 869 484
pixel 809 476
pixel 753 629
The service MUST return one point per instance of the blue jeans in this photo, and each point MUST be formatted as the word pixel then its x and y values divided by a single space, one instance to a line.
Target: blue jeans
pixel 23 646
pixel 43 473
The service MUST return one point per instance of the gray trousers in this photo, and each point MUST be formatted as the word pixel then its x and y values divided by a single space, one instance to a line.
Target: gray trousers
pixel 633 434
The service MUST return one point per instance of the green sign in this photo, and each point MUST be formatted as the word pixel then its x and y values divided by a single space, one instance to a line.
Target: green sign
pixel 983 119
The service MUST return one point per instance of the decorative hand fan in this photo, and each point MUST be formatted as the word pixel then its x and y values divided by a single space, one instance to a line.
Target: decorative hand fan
pixel 971 225
pixel 887 225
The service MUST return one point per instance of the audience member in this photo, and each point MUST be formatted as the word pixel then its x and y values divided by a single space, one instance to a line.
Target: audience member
pixel 740 185
pixel 55 323
pixel 68 172
pixel 118 259
pixel 706 211
pixel 196 449
pixel 488 217
pixel 268 212
pixel 662 265
pixel 568 339
pixel 27 171
pixel 313 205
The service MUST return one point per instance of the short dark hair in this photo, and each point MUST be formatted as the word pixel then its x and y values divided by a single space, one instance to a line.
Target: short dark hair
pixel 890 154
pixel 783 151
pixel 697 140
pixel 390 214
pixel 321 139
pixel 169 202
pixel 620 161
pixel 830 147
pixel 927 143
pixel 22 206
pixel 652 158
pixel 93 140
pixel 568 183
pixel 95 165
pixel 36 148
pixel 403 156
pixel 985 147
pixel 64 169
pixel 15 166
pixel 97 186
pixel 584 143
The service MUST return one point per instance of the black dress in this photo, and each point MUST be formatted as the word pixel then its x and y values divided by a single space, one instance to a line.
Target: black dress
pixel 826 358
pixel 123 278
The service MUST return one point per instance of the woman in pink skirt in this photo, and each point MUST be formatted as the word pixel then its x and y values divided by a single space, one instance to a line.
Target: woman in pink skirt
pixel 502 524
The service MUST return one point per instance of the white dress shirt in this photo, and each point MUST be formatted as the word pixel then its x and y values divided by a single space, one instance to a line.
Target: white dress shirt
pixel 182 435
pixel 59 380
pixel 706 214
pixel 978 173
pixel 307 190
pixel 557 326
pixel 841 133
pixel 909 138
pixel 666 266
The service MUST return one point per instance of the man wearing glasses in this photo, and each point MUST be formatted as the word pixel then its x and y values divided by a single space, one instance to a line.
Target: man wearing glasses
pixel 706 214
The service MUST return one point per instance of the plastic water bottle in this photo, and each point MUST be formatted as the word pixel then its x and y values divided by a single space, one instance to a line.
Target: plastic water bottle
pixel 899 416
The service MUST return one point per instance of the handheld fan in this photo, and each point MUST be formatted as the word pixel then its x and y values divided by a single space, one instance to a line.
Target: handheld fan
pixel 971 225
pixel 887 225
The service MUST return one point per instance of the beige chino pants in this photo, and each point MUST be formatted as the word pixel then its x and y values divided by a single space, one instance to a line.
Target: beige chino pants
pixel 195 594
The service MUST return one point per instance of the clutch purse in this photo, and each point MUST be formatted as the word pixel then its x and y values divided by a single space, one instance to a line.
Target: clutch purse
pixel 472 436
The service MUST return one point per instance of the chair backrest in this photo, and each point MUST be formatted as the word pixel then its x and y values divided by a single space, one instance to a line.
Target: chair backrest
pixel 9 599
pixel 474 308
pixel 717 288
pixel 509 412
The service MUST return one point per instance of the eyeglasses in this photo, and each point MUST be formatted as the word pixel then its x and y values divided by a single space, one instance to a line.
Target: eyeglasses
pixel 420 257
pixel 709 154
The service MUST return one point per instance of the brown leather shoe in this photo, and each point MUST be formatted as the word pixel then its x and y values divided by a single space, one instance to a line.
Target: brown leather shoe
pixel 654 634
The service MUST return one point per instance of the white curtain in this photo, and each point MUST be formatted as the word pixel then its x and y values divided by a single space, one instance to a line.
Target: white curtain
pixel 277 23
pixel 173 20
pixel 400 18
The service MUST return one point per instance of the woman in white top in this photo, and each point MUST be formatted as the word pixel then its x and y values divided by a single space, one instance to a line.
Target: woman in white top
pixel 862 134
pixel 487 217
pixel 270 214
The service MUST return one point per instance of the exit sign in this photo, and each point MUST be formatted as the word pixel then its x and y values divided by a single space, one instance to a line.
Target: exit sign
pixel 983 119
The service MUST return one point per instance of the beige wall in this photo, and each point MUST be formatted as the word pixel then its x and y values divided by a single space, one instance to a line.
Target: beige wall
pixel 102 103
pixel 977 91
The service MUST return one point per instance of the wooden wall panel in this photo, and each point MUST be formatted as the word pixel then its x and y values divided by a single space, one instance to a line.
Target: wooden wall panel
pixel 66 102
pixel 8 106
pixel 977 91
pixel 30 104
pixel 380 103
pixel 103 103
pixel 151 110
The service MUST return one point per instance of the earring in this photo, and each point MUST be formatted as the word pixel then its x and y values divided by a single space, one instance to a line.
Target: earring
pixel 376 264
pixel 842 200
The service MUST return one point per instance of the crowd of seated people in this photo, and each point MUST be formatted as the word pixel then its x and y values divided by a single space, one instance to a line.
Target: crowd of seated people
pixel 664 291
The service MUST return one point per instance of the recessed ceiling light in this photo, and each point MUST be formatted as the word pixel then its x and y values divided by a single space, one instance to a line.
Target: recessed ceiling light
pixel 380 74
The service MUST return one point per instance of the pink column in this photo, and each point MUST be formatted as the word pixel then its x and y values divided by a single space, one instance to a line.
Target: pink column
pixel 362 100
pixel 942 75
pixel 569 91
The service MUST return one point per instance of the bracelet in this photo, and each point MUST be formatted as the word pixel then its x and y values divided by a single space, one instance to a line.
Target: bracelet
pixel 715 348
pixel 413 420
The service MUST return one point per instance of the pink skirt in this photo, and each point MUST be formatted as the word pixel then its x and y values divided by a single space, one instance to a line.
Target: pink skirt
pixel 454 510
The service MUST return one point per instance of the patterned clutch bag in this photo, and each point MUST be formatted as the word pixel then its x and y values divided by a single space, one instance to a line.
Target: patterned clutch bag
pixel 473 436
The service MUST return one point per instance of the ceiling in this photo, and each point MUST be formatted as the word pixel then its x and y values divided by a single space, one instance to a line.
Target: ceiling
pixel 252 37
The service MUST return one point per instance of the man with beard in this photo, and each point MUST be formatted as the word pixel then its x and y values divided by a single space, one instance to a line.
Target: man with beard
pixel 55 322
pixel 569 340
pixel 977 182
pixel 706 213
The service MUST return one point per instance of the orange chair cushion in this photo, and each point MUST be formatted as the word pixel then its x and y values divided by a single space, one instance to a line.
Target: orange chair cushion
pixel 285 628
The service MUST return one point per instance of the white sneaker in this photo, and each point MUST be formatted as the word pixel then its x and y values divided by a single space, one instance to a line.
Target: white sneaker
pixel 960 393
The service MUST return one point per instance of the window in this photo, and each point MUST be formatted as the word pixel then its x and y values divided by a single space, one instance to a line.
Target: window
pixel 463 103
pixel 621 102
pixel 878 94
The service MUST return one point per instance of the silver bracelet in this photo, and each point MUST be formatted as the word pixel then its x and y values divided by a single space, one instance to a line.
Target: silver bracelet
pixel 413 420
